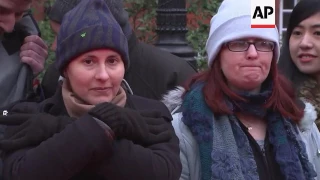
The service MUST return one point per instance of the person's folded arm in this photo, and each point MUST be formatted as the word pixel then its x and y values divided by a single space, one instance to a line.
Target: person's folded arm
pixel 62 156
pixel 157 162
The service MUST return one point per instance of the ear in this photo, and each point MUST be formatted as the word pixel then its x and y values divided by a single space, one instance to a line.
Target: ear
pixel 65 73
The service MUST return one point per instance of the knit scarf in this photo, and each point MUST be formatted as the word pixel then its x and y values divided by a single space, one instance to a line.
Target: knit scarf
pixel 310 91
pixel 76 107
pixel 222 139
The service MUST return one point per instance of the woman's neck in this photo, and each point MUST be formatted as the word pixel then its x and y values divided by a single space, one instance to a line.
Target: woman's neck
pixel 252 91
pixel 257 127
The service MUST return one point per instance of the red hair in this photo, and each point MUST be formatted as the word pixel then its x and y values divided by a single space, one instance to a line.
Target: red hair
pixel 283 98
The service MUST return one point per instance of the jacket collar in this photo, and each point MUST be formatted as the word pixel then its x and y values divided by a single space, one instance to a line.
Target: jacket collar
pixel 55 104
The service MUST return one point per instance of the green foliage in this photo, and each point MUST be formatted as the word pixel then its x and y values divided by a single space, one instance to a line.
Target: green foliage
pixel 199 27
pixel 48 36
pixel 143 14
pixel 143 20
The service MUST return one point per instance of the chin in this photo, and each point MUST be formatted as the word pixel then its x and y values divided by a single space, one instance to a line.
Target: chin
pixel 309 71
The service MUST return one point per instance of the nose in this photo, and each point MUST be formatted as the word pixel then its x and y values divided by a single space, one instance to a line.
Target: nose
pixel 306 42
pixel 9 22
pixel 102 73
pixel 252 52
pixel 54 44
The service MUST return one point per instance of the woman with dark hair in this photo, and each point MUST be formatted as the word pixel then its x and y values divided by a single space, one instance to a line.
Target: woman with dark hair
pixel 239 119
pixel 300 62
pixel 300 53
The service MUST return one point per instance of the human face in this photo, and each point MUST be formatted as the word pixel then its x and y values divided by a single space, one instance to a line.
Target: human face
pixel 96 76
pixel 246 70
pixel 304 45
pixel 11 11
pixel 55 28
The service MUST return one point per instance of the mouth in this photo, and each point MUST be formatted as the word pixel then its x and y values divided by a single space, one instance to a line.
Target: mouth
pixel 101 89
pixel 305 57
pixel 250 66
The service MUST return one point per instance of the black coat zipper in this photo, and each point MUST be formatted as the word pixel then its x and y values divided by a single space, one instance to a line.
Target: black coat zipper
pixel 263 152
pixel 264 155
pixel 266 162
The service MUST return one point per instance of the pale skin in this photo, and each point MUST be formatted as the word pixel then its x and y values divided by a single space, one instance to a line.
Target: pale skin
pixel 96 76
pixel 304 45
pixel 246 71
pixel 11 11
pixel 34 51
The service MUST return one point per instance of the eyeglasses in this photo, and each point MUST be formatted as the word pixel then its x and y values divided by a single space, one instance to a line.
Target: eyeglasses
pixel 240 46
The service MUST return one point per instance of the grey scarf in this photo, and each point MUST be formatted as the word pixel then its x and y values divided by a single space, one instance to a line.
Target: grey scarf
pixel 224 141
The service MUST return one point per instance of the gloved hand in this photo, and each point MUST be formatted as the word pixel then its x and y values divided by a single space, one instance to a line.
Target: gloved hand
pixel 30 129
pixel 144 128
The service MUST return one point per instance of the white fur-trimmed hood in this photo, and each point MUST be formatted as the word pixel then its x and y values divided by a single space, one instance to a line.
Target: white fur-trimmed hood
pixel 173 99
pixel 310 115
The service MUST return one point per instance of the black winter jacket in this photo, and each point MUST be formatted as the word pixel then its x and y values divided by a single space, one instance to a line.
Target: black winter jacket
pixel 82 150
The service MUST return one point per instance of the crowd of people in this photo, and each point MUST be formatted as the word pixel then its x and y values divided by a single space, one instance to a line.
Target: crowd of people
pixel 112 107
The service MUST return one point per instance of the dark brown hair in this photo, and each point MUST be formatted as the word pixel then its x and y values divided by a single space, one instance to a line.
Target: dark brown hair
pixel 303 10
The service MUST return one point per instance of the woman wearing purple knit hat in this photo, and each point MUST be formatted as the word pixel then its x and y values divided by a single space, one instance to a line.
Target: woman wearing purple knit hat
pixel 152 71
pixel 91 129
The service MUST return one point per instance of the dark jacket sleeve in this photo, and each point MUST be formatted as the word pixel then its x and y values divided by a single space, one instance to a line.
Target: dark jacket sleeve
pixel 62 156
pixel 83 143
pixel 82 149
pixel 156 162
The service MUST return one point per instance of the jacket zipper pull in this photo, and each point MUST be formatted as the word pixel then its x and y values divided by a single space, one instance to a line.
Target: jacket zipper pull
pixel 263 151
